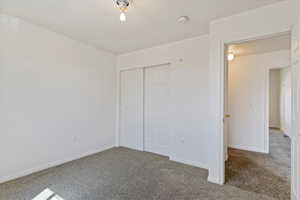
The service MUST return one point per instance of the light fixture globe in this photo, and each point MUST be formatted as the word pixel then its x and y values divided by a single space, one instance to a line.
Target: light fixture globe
pixel 122 17
pixel 123 6
pixel 183 19
pixel 230 56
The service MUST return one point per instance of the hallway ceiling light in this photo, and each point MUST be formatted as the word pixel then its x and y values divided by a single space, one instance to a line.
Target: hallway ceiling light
pixel 123 6
pixel 230 56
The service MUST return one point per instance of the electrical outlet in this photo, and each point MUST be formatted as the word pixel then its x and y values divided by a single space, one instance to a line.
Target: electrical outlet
pixel 182 140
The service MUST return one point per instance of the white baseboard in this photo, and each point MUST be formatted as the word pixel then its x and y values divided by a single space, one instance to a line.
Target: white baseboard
pixel 215 180
pixel 189 162
pixel 234 146
pixel 294 197
pixel 51 164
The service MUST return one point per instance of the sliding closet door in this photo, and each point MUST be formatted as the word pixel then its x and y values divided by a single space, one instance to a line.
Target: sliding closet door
pixel 157 112
pixel 131 109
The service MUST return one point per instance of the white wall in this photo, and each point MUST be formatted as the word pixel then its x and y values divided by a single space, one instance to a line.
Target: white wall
pixel 274 99
pixel 198 139
pixel 189 82
pixel 204 145
pixel 295 135
pixel 268 20
pixel 286 100
pixel 57 98
pixel 248 93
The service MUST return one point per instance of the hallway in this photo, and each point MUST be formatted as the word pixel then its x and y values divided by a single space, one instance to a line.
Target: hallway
pixel 260 173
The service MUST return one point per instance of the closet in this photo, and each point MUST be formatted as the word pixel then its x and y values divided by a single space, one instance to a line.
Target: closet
pixel 145 109
pixel 131 109
pixel 157 109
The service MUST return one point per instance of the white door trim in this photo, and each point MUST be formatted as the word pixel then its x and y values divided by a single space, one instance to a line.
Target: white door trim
pixel 295 189
pixel 266 112
pixel 220 179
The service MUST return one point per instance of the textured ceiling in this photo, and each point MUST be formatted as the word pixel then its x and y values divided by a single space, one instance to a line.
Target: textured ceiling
pixel 150 22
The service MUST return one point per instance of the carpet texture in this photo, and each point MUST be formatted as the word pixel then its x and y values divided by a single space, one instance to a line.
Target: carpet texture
pixel 262 174
pixel 124 174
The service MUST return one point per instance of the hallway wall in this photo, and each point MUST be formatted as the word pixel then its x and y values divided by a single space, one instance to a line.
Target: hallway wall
pixel 248 88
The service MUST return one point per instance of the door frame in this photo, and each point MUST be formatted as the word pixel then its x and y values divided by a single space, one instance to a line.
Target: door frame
pixel 294 141
pixel 267 107
pixel 295 187
pixel 221 60
pixel 118 100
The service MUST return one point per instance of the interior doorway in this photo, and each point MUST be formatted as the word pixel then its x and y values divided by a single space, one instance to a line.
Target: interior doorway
pixel 280 100
pixel 257 97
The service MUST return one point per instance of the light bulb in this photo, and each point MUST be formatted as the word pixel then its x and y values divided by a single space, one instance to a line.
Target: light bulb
pixel 230 56
pixel 122 17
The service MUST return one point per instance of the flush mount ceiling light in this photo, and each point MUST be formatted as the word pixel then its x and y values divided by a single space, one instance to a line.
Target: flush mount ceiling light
pixel 230 56
pixel 183 19
pixel 123 6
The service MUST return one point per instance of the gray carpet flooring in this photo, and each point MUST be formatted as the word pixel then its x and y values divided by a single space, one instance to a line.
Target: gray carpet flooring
pixel 124 174
pixel 263 174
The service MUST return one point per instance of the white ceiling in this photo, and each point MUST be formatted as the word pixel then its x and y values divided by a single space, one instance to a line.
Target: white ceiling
pixel 277 43
pixel 150 22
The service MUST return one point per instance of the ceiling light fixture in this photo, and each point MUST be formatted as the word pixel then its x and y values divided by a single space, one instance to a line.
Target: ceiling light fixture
pixel 230 56
pixel 123 6
pixel 183 19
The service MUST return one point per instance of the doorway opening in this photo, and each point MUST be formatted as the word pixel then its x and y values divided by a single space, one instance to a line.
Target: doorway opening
pixel 257 121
